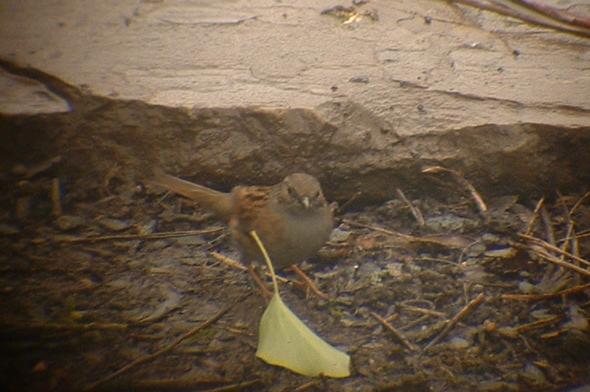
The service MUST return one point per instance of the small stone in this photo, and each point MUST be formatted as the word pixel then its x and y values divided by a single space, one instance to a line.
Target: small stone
pixel 534 375
pixel 114 224
pixel 69 222
pixel 526 287
pixel 458 343
pixel 359 79
pixel 339 235
pixel 475 250
pixel 502 253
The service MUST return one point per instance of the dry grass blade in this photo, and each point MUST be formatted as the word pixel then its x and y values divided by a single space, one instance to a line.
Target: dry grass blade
pixel 467 309
pixel 447 241
pixel 398 335
pixel 529 227
pixel 579 203
pixel 553 248
pixel 479 202
pixel 534 16
pixel 552 259
pixel 309 283
pixel 123 237
pixel 538 297
pixel 239 266
pixel 415 211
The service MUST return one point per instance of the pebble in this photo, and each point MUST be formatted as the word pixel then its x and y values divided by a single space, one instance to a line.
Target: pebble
pixel 69 222
pixel 114 224
pixel 339 235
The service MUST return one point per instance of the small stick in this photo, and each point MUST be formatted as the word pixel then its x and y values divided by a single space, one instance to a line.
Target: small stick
pixel 266 293
pixel 420 310
pixel 234 264
pixel 397 334
pixel 558 14
pixel 467 309
pixel 579 202
pixel 529 227
pixel 549 232
pixel 535 18
pixel 235 387
pixel 537 324
pixel 310 283
pixel 180 385
pixel 538 297
pixel 381 230
pixel 479 202
pixel 56 208
pixel 170 347
pixel 348 202
pixel 415 211
pixel 548 246
pixel 151 236
pixel 306 386
pixel 406 237
pixel 552 259
pixel 56 327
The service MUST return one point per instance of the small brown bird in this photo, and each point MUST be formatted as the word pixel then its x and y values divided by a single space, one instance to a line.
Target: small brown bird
pixel 292 218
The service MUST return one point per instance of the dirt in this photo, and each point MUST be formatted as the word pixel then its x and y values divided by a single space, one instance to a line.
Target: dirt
pixel 91 283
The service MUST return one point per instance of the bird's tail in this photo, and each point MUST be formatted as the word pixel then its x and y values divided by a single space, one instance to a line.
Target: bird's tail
pixel 220 203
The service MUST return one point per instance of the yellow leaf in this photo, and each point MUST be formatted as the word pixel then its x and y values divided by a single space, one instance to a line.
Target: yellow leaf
pixel 286 341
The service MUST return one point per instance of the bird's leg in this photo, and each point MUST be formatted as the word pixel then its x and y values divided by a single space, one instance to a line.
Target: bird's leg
pixel 266 293
pixel 310 284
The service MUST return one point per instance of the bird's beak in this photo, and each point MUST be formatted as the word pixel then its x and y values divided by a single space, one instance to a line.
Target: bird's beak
pixel 305 202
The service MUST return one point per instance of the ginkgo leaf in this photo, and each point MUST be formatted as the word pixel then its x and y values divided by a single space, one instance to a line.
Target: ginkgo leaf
pixel 284 340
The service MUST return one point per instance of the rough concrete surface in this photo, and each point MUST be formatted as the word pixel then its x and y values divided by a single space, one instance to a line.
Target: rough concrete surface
pixel 247 91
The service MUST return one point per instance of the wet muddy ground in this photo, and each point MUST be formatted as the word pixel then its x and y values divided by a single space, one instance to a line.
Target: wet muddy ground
pixel 94 280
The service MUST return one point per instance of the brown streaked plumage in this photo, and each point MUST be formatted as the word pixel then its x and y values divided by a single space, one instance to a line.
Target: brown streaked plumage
pixel 292 218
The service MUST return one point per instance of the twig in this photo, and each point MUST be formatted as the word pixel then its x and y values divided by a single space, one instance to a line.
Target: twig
pixel 538 297
pixel 579 202
pixel 467 309
pixel 150 236
pixel 445 241
pixel 529 227
pixel 558 14
pixel 312 286
pixel 538 324
pixel 53 327
pixel 56 207
pixel 306 386
pixel 235 387
pixel 397 334
pixel 170 347
pixel 348 202
pixel 481 205
pixel 417 321
pixel 549 232
pixel 531 17
pixel 381 230
pixel 550 247
pixel 552 259
pixel 420 310
pixel 234 264
pixel 181 384
pixel 415 211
